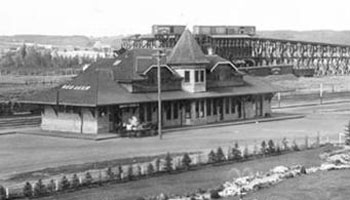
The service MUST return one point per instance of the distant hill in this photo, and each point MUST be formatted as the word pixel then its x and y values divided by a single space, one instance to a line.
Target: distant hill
pixel 78 40
pixel 325 36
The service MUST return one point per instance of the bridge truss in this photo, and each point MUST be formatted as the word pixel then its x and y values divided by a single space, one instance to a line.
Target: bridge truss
pixel 323 58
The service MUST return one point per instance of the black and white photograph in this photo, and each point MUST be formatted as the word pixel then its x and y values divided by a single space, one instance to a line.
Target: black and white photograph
pixel 174 100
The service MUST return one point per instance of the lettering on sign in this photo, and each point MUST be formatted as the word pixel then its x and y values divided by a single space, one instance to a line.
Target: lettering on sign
pixel 76 87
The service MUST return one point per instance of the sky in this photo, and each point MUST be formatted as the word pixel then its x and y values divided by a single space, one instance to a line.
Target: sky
pixel 116 17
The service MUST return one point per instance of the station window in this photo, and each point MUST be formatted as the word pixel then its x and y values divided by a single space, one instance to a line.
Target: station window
pixel 188 110
pixel 215 111
pixel 197 109
pixel 168 110
pixel 196 76
pixel 202 76
pixel 187 76
pixel 201 114
pixel 149 112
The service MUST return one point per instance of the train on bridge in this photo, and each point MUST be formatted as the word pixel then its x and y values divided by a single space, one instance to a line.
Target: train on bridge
pixel 242 46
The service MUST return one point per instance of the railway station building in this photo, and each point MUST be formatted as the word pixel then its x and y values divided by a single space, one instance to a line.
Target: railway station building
pixel 113 93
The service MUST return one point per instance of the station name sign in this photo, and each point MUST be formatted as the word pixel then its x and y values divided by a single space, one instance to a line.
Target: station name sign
pixel 76 87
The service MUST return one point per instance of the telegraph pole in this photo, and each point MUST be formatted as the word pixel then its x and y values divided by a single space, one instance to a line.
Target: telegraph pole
pixel 159 55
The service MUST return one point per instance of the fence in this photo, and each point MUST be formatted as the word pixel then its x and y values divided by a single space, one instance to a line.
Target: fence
pixel 142 169
pixel 314 94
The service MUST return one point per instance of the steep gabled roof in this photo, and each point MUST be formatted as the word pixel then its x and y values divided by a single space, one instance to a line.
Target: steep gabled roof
pixel 187 51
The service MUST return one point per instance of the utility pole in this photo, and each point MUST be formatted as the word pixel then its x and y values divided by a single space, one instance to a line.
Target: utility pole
pixel 159 55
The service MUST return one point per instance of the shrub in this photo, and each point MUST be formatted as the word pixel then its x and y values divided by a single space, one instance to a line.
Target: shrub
pixel 347 134
pixel 27 190
pixel 302 170
pixel 120 172
pixel 168 163
pixel 157 165
pixel 229 153
pixel 295 146
pixel 88 179
pixel 237 154
pixel 2 193
pixel 263 148
pixel 138 171
pixel 271 147
pixel 75 182
pixel 150 169
pixel 220 156
pixel 246 152
pixel 211 157
pixel 51 186
pixel 110 173
pixel 64 184
pixel 285 144
pixel 39 189
pixel 130 173
pixel 186 161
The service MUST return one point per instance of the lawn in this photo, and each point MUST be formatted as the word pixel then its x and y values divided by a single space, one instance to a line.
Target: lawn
pixel 209 177
pixel 324 185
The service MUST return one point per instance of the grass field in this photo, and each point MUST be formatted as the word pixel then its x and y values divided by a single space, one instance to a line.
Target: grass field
pixel 188 182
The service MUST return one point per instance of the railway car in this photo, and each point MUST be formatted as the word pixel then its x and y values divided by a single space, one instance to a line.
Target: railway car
pixel 168 29
pixel 224 30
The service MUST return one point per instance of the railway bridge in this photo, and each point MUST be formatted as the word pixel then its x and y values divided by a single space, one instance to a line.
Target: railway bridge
pixel 246 50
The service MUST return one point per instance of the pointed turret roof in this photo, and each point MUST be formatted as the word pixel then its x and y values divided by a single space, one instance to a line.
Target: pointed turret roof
pixel 187 51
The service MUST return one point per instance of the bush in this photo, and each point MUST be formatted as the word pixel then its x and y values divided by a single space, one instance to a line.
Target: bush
pixel 347 134
pixel 295 146
pixel 150 169
pixel 75 182
pixel 306 142
pixel 130 173
pixel 27 190
pixel 39 189
pixel 211 157
pixel 263 148
pixel 88 179
pixel 110 174
pixel 220 156
pixel 64 184
pixel 186 161
pixel 246 152
pixel 271 147
pixel 120 172
pixel 138 171
pixel 51 186
pixel 2 193
pixel 302 170
pixel 157 165
pixel 168 163
pixel 229 154
pixel 236 153
pixel 285 144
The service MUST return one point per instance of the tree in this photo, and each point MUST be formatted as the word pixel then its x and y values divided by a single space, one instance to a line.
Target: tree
pixel 211 157
pixel 278 149
pixel 263 148
pixel 28 190
pixel 51 186
pixel 138 171
pixel 88 179
pixel 120 172
pixel 168 167
pixel 306 142
pixel 39 189
pixel 75 182
pixel 64 184
pixel 186 161
pixel 295 146
pixel 347 134
pixel 236 153
pixel 229 153
pixel 150 169
pixel 271 147
pixel 130 173
pixel 157 165
pixel 220 156
pixel 110 174
pixel 246 152
pixel 2 193
pixel 285 144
